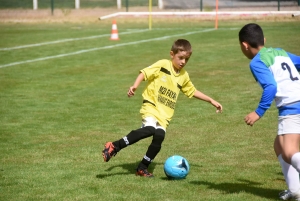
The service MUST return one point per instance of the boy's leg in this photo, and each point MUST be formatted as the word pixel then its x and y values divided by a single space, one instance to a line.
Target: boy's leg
pixel 291 155
pixel 290 173
pixel 133 137
pixel 112 148
pixel 152 151
pixel 296 164
pixel 295 161
pixel 290 147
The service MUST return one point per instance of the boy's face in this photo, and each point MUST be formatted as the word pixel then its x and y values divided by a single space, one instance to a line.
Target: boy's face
pixel 180 59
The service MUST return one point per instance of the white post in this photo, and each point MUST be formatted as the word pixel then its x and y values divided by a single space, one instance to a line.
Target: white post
pixel 160 4
pixel 119 4
pixel 35 4
pixel 77 4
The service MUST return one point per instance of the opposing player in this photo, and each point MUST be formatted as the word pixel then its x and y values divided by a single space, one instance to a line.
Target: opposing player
pixel 276 72
pixel 166 78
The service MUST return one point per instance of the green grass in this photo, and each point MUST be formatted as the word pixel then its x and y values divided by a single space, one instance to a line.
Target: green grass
pixel 56 114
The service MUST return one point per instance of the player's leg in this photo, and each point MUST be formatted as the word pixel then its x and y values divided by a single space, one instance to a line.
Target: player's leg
pixel 112 148
pixel 289 139
pixel 290 147
pixel 287 124
pixel 291 175
pixel 151 153
pixel 291 154
pixel 133 137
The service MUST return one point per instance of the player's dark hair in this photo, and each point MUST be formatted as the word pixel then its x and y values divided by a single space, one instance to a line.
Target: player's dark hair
pixel 252 34
pixel 181 45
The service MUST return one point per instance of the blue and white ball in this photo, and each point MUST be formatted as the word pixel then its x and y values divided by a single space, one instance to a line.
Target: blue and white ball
pixel 176 167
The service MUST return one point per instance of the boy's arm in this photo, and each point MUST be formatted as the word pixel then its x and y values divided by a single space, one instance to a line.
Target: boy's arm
pixel 264 77
pixel 266 80
pixel 202 96
pixel 137 82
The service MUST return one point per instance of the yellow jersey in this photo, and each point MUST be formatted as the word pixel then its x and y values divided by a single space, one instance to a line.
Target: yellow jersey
pixel 162 90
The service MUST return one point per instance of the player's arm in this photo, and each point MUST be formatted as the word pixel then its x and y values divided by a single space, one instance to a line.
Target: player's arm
pixel 295 59
pixel 266 80
pixel 202 96
pixel 137 82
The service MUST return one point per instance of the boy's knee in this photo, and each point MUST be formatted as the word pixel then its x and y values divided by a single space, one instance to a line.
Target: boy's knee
pixel 150 129
pixel 147 130
pixel 287 156
pixel 159 136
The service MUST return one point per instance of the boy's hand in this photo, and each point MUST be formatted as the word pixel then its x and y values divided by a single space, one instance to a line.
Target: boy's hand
pixel 251 118
pixel 218 106
pixel 131 91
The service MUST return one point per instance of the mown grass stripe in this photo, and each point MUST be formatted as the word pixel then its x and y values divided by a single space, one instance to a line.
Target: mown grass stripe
pixel 67 40
pixel 101 48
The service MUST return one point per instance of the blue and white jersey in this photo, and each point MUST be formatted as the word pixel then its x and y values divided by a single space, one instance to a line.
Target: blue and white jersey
pixel 277 73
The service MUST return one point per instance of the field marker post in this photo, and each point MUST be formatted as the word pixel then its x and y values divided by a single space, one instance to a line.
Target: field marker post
pixel 150 14
pixel 161 4
pixel 216 21
pixel 119 4
pixel 35 5
pixel 77 4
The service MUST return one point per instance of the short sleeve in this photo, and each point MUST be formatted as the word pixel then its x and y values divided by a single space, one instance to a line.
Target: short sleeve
pixel 153 70
pixel 188 88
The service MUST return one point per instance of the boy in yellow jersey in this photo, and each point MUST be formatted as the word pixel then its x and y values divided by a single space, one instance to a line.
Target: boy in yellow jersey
pixel 166 78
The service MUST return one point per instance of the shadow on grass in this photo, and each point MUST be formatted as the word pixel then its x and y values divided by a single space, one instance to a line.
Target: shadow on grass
pixel 129 167
pixel 242 186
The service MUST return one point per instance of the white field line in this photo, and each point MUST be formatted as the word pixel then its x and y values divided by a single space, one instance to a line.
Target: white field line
pixel 102 48
pixel 227 13
pixel 67 40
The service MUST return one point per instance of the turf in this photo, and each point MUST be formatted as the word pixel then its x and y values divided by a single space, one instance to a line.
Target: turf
pixel 57 113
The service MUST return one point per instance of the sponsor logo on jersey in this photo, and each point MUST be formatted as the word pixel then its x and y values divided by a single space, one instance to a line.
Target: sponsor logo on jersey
pixel 167 97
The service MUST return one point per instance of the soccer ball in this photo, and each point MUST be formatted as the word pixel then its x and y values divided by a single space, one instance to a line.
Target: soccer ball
pixel 176 167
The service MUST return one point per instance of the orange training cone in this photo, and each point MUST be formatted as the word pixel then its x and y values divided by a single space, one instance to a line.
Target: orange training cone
pixel 114 31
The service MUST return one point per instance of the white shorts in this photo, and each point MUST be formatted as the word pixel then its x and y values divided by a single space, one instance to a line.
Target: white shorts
pixel 289 124
pixel 151 121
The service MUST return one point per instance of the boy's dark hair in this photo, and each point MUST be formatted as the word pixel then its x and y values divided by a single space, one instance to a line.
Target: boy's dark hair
pixel 181 45
pixel 252 34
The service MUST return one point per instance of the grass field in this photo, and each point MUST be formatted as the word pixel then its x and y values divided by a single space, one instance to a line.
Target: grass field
pixel 63 95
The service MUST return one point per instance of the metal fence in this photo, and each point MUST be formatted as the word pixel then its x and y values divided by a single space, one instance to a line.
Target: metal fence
pixel 163 4
pixel 209 4
pixel 28 4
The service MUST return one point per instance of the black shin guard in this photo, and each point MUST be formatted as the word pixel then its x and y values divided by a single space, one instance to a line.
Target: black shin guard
pixel 154 147
pixel 134 136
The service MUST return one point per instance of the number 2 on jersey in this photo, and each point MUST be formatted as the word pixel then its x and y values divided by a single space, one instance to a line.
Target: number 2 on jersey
pixel 285 66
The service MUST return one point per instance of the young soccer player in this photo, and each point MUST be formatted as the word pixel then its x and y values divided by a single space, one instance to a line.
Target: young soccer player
pixel 165 79
pixel 276 72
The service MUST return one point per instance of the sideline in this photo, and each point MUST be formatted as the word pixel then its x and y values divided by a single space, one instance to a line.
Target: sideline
pixel 68 40
pixel 225 13
pixel 105 47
